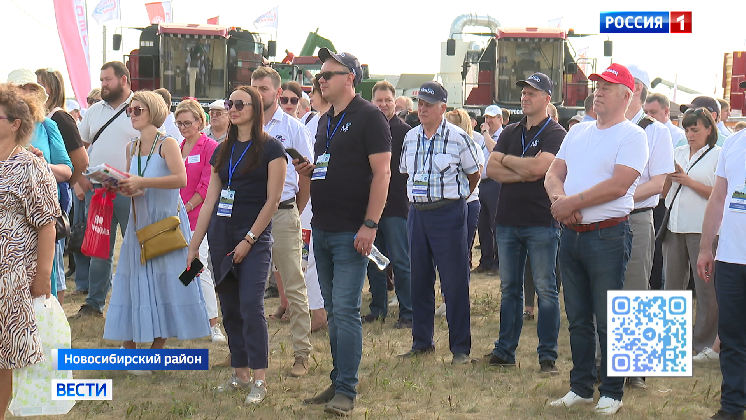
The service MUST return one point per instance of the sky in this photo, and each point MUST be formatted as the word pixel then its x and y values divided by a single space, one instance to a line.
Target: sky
pixel 401 37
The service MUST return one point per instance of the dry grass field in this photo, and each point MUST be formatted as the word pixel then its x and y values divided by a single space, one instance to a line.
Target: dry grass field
pixel 390 388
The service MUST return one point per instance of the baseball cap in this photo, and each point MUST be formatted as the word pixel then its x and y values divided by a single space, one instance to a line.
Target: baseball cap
pixel 472 115
pixel 615 73
pixel 711 104
pixel 346 59
pixel 493 111
pixel 22 77
pixel 577 118
pixel 537 81
pixel 218 105
pixel 639 74
pixel 72 105
pixel 432 92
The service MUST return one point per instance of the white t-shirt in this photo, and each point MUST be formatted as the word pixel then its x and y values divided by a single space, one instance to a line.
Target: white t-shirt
pixel 677 133
pixel 591 155
pixel 688 211
pixel 723 129
pixel 660 158
pixel 292 134
pixel 169 126
pixel 111 146
pixel 732 167
pixel 312 126
pixel 481 160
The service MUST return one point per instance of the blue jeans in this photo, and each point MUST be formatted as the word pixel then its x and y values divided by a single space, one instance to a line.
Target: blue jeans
pixel 99 270
pixel 81 273
pixel 730 287
pixel 592 263
pixel 391 240
pixel 489 192
pixel 341 271
pixel 539 243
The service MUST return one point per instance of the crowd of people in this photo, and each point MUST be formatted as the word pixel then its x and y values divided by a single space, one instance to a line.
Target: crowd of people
pixel 305 189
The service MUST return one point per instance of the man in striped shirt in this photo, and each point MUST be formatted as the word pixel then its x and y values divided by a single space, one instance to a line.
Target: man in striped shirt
pixel 443 169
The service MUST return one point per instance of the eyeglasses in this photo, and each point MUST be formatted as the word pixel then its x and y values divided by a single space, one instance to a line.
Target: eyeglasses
pixel 7 118
pixel 91 101
pixel 136 111
pixel 284 100
pixel 327 75
pixel 185 124
pixel 216 112
pixel 238 104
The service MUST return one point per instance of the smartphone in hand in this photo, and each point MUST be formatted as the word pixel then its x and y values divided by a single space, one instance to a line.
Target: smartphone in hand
pixel 295 154
pixel 194 269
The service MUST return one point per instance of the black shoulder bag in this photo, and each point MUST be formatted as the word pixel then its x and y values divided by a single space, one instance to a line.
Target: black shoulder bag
pixel 111 120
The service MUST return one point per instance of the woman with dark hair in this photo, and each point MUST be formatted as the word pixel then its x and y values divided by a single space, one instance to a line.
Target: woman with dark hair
pixel 687 191
pixel 289 100
pixel 27 214
pixel 248 174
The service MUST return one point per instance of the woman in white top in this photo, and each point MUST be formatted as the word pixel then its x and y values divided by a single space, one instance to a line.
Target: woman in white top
pixel 695 176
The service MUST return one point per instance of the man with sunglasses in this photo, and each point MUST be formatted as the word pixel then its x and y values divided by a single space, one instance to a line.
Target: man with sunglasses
pixel 443 167
pixel 218 128
pixel 286 226
pixel 106 144
pixel 349 184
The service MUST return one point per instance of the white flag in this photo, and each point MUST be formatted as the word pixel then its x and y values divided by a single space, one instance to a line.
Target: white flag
pixel 555 23
pixel 267 20
pixel 106 10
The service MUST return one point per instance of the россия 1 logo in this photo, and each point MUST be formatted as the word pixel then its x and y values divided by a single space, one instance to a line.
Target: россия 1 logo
pixel 646 22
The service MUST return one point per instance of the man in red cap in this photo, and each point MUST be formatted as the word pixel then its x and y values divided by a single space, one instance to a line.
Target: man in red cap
pixel 591 184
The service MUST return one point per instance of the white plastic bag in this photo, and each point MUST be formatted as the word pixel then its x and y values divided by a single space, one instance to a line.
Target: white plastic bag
pixel 32 385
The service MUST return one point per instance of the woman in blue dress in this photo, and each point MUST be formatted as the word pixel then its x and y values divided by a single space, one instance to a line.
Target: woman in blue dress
pixel 148 302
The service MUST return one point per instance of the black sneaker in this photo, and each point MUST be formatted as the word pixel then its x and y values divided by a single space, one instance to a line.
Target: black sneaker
pixel 322 397
pixel 548 368
pixel 271 292
pixel 722 415
pixel 497 361
pixel 367 319
pixel 417 352
pixel 88 310
pixel 636 383
pixel 340 405
pixel 403 323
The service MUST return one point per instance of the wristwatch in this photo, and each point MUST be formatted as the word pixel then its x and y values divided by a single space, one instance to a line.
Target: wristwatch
pixel 252 236
pixel 371 224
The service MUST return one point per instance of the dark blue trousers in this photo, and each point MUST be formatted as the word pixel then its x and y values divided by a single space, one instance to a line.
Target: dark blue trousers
pixel 730 288
pixel 489 192
pixel 437 238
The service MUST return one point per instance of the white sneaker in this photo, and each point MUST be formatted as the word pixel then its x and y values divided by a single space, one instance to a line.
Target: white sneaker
pixel 441 311
pixel 607 406
pixel 394 302
pixel 258 392
pixel 217 335
pixel 569 400
pixel 707 355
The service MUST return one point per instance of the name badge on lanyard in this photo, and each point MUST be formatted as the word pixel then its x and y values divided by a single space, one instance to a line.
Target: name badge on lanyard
pixel 420 185
pixel 227 196
pixel 322 162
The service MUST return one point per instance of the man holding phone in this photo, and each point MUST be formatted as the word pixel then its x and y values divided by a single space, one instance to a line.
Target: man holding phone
pixel 286 226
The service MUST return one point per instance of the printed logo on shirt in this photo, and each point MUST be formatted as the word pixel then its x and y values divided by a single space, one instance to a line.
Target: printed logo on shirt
pixel 346 127
pixel 281 138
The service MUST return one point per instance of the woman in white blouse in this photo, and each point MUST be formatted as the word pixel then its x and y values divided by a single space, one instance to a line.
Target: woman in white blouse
pixel 695 176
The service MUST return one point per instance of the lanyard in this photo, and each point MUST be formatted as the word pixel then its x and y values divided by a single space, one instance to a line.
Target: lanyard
pixel 523 139
pixel 140 170
pixel 231 166
pixel 429 152
pixel 328 126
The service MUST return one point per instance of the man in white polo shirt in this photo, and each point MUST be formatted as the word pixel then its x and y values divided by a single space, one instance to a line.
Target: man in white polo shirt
pixel 658 106
pixel 106 130
pixel 647 194
pixel 591 184
pixel 286 227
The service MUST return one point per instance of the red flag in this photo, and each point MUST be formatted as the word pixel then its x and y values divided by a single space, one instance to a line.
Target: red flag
pixel 214 21
pixel 159 12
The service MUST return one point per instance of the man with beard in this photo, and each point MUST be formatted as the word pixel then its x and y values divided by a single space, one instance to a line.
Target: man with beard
pixel 286 226
pixel 106 130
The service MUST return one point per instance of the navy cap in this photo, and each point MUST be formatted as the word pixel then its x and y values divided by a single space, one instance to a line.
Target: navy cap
pixel 711 104
pixel 537 81
pixel 346 59
pixel 432 92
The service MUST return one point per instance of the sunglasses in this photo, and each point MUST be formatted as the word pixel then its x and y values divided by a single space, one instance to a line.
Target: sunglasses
pixel 91 101
pixel 185 124
pixel 136 111
pixel 695 111
pixel 327 75
pixel 238 104
pixel 284 100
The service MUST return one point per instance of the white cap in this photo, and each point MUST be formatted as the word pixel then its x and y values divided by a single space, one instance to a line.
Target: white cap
pixel 219 104
pixel 305 95
pixel 72 104
pixel 493 111
pixel 639 74
pixel 22 77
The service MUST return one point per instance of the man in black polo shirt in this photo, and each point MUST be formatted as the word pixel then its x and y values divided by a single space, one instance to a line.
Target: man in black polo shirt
pixel 349 184
pixel 525 226
pixel 392 230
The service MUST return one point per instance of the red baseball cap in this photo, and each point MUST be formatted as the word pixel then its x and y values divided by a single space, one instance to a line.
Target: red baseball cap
pixel 615 73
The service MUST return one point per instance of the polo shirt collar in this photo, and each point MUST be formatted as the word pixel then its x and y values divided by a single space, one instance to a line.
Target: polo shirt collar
pixel 441 131
pixel 351 107
pixel 524 121
pixel 279 114
pixel 640 114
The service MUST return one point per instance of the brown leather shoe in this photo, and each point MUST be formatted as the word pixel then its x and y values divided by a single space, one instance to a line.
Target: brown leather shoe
pixel 300 367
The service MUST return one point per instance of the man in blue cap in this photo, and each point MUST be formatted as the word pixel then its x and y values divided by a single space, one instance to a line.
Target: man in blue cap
pixel 442 165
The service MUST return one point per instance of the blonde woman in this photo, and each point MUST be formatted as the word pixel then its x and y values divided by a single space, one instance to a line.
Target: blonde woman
pixel 148 302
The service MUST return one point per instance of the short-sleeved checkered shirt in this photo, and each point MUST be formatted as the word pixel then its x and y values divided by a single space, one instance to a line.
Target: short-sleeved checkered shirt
pixel 446 158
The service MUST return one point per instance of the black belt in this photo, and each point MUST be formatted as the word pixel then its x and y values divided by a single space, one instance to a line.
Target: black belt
pixel 644 209
pixel 287 204
pixel 433 204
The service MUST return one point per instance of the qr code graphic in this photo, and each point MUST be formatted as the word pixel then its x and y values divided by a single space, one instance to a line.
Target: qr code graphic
pixel 649 333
